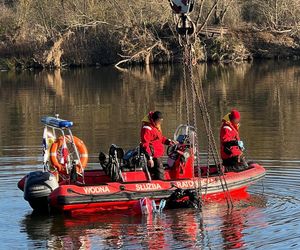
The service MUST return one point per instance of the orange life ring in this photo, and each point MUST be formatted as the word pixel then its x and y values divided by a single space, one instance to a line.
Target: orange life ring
pixel 55 153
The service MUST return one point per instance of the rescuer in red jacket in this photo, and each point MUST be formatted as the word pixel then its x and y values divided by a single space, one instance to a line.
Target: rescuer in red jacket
pixel 152 143
pixel 231 145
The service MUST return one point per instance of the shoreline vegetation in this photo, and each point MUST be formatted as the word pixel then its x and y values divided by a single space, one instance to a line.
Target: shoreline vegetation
pixel 76 33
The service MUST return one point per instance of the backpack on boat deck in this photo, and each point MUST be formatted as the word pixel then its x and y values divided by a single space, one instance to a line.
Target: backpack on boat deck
pixel 111 163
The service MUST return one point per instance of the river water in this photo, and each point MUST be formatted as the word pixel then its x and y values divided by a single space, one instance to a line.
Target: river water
pixel 107 106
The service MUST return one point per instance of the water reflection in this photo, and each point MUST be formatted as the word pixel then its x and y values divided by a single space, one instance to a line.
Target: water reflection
pixel 174 229
pixel 94 99
pixel 107 106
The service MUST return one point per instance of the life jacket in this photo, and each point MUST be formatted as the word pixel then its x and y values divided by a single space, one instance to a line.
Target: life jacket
pixel 152 140
pixel 229 137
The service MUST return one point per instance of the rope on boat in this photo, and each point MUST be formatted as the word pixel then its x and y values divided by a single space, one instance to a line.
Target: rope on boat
pixel 212 143
pixel 196 94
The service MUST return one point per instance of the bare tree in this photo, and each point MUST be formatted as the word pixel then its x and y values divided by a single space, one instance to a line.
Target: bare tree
pixel 277 15
pixel 220 10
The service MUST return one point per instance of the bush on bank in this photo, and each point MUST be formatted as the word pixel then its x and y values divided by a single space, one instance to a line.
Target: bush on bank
pixel 58 33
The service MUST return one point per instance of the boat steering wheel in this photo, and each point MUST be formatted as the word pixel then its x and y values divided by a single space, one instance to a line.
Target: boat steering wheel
pixel 172 149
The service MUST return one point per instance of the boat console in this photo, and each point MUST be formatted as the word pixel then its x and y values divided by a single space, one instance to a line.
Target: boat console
pixel 132 165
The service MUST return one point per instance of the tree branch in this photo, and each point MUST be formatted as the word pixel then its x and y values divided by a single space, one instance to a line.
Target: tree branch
pixel 207 17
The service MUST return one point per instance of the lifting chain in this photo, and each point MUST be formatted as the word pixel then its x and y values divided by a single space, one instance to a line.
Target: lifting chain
pixel 198 96
pixel 187 103
pixel 212 143
pixel 186 30
pixel 212 146
pixel 192 121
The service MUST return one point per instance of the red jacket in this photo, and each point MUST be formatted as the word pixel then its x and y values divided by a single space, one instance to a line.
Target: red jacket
pixel 152 140
pixel 229 136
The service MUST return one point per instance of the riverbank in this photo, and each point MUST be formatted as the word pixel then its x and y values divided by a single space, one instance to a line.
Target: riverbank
pixel 237 45
pixel 248 44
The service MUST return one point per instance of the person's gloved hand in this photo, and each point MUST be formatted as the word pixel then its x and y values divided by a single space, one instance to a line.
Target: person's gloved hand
pixel 172 142
pixel 227 151
pixel 241 145
pixel 150 163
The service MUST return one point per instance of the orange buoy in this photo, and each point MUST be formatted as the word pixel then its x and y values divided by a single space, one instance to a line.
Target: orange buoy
pixel 56 153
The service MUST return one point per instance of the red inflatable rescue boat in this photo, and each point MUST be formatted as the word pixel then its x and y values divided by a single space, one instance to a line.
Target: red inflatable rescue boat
pixel 122 179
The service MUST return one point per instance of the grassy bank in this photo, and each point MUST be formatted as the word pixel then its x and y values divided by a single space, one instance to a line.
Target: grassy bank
pixel 65 33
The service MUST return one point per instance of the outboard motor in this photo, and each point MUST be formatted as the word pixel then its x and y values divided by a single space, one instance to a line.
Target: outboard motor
pixel 38 186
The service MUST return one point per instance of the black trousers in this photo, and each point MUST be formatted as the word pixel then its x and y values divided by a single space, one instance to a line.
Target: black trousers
pixel 235 164
pixel 158 170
